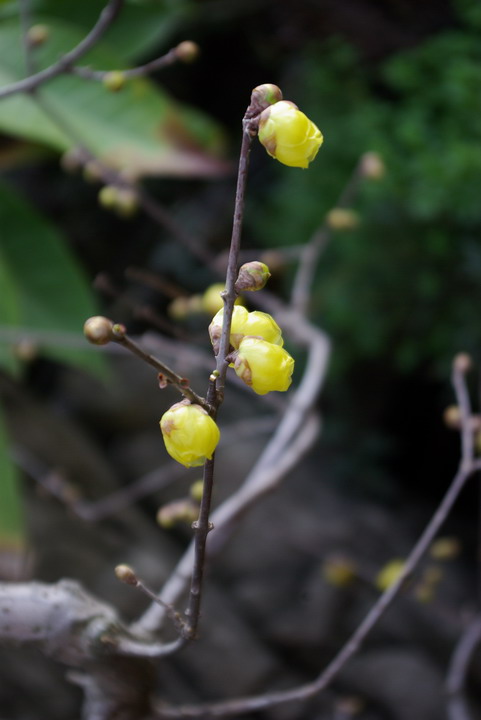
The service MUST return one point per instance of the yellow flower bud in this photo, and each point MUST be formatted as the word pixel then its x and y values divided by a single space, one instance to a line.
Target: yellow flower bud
pixel 190 434
pixel 244 323
pixel 114 80
pixel 212 301
pixel 288 135
pixel 388 575
pixel 342 219
pixel 263 366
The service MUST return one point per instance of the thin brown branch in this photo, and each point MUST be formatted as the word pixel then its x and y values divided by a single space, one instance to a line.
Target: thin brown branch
pixel 458 671
pixel 309 257
pixel 230 293
pixel 163 61
pixel 31 83
pixel 119 336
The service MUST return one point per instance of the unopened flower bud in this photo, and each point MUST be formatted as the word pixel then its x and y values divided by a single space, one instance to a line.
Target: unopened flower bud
pixel 120 199
pixel 288 135
pixel 126 575
pixel 190 434
pixel 114 80
pixel 187 51
pixel 264 95
pixel 177 511
pixel 263 366
pixel 127 202
pixel 445 548
pixel 107 197
pixel 388 575
pixel 92 172
pixel 98 330
pixel 452 417
pixel 72 160
pixel 37 35
pixel 211 299
pixel 342 219
pixel 196 490
pixel 252 276
pixel 372 166
pixel 463 363
pixel 339 571
pixel 245 323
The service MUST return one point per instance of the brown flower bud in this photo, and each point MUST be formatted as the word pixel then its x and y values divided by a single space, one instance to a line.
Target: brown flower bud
pixel 452 417
pixel 176 512
pixel 463 363
pixel 252 276
pixel 342 219
pixel 187 51
pixel 37 35
pixel 98 330
pixel 263 96
pixel 126 575
pixel 372 166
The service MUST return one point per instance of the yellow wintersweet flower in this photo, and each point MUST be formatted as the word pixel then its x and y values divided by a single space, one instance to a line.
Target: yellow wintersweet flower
pixel 190 434
pixel 263 366
pixel 288 135
pixel 244 323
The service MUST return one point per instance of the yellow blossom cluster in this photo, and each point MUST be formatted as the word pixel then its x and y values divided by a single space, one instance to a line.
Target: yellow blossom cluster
pixel 259 358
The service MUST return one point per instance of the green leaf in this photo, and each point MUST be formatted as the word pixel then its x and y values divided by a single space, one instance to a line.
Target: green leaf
pixel 139 129
pixel 12 531
pixel 43 288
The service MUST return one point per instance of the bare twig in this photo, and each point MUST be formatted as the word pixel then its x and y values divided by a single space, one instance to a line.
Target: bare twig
pixel 32 82
pixel 169 58
pixel 230 294
pixel 309 256
pixel 458 671
pixel 182 384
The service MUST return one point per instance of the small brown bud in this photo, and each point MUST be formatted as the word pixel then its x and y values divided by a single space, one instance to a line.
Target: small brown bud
pixel 263 96
pixel 445 548
pixel 92 171
pixel 372 166
pixel 26 350
pixel 462 363
pixel 187 51
pixel 114 80
pixel 252 276
pixel 98 330
pixel 126 575
pixel 452 417
pixel 127 202
pixel 339 571
pixel 72 160
pixel 37 35
pixel 177 511
pixel 342 219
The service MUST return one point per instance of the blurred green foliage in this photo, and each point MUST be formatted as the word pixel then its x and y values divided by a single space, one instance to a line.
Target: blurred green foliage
pixel 405 287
